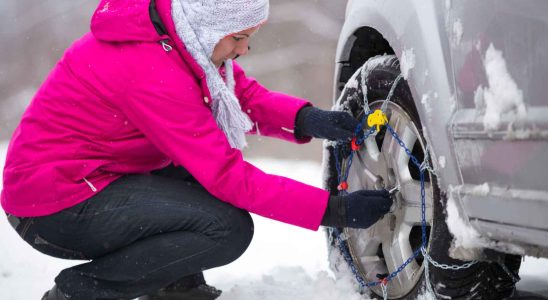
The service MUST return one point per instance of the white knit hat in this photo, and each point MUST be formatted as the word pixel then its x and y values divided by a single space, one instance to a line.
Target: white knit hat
pixel 201 24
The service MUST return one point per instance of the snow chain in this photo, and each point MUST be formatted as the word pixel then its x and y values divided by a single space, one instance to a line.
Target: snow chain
pixel 375 120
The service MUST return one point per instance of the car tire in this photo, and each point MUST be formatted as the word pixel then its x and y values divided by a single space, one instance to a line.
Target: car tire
pixel 483 280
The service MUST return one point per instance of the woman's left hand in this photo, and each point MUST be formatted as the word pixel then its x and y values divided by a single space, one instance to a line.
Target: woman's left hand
pixel 318 123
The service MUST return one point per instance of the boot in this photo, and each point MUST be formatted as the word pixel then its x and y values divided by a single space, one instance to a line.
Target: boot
pixel 54 294
pixel 192 287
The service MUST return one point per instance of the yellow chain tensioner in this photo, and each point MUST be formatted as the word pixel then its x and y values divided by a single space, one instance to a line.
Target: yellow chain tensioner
pixel 377 118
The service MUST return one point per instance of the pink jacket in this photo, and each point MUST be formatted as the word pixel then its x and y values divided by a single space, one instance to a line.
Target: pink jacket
pixel 118 102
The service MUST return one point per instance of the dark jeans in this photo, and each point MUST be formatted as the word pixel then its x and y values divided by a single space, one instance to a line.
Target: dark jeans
pixel 141 233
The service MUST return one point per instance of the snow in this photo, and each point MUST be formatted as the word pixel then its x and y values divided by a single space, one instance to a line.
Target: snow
pixel 479 101
pixel 352 83
pixel 502 96
pixel 447 4
pixel 292 283
pixel 458 31
pixel 534 274
pixel 442 161
pixel 283 262
pixel 407 62
pixel 481 190
pixel 425 296
pixel 524 134
pixel 426 103
pixel 453 103
pixel 467 239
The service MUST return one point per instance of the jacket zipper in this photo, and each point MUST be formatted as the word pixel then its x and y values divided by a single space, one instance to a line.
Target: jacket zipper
pixel 91 186
pixel 167 47
pixel 159 26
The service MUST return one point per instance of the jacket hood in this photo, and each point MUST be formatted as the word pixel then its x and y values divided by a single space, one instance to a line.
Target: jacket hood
pixel 124 21
pixel 131 21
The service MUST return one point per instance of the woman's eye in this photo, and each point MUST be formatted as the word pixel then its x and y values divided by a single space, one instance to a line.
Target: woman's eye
pixel 237 39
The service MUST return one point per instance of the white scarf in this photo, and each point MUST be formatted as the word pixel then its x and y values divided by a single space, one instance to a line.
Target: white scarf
pixel 201 24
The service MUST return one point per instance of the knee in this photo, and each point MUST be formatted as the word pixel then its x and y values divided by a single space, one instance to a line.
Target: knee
pixel 237 235
pixel 244 229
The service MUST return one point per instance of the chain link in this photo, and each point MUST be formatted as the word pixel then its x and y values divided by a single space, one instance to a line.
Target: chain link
pixel 445 266
pixel 391 93
pixel 426 164
pixel 515 278
pixel 384 288
pixel 427 279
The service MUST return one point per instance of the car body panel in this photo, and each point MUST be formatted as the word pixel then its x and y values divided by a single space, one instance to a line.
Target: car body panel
pixel 446 44
pixel 513 156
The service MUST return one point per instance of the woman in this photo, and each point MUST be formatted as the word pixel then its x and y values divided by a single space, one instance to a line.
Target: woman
pixel 129 154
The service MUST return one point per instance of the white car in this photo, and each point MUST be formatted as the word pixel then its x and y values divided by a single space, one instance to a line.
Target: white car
pixel 468 80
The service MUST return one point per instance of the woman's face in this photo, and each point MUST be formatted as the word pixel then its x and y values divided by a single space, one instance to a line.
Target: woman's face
pixel 231 46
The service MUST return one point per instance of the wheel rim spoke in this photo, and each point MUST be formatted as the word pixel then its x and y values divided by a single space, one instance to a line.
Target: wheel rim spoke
pixel 390 145
pixel 396 251
pixel 413 214
pixel 402 158
pixel 411 192
pixel 371 159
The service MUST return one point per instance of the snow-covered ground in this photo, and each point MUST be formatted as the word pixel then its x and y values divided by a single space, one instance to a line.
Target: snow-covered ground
pixel 282 263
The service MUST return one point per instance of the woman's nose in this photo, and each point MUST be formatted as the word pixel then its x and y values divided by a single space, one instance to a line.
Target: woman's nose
pixel 242 50
pixel 246 50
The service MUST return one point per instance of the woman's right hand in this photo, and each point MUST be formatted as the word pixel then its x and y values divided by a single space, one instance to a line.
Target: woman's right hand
pixel 364 208
pixel 330 125
pixel 359 209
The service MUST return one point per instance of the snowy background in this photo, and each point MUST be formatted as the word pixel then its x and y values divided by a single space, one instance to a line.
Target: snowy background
pixel 282 263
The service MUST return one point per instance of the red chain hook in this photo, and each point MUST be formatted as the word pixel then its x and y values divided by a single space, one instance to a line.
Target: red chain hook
pixel 354 145
pixel 343 186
